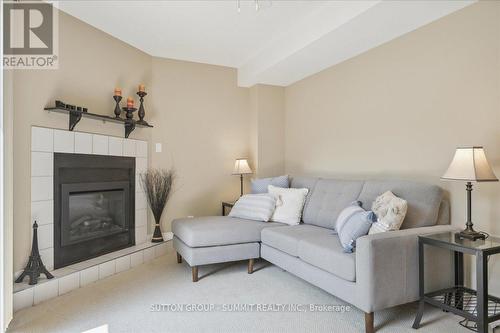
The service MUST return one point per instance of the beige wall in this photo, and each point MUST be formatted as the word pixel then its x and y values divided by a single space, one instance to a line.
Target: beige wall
pixel 203 125
pixel 399 110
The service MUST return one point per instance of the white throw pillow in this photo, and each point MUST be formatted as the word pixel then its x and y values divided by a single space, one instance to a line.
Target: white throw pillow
pixel 289 204
pixel 258 207
pixel 390 211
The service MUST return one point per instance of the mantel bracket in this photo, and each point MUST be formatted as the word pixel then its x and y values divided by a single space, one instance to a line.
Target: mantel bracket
pixel 74 118
pixel 129 127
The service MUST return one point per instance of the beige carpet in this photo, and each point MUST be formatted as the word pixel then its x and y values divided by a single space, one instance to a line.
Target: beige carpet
pixel 122 303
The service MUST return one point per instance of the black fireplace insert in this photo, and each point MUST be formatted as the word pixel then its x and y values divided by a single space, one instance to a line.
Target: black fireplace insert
pixel 94 204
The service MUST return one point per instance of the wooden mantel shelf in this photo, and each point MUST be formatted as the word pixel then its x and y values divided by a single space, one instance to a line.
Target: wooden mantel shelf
pixel 75 116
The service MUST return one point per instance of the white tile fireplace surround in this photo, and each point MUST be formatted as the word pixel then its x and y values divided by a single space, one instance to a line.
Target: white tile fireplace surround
pixel 44 143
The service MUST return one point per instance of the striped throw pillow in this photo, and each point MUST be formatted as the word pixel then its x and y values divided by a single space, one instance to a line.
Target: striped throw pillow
pixel 258 207
pixel 352 223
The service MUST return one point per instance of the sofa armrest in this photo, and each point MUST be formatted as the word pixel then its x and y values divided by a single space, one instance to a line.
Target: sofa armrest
pixel 387 267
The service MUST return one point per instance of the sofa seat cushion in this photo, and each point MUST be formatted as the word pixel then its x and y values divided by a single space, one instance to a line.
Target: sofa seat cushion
pixel 326 252
pixel 287 238
pixel 219 230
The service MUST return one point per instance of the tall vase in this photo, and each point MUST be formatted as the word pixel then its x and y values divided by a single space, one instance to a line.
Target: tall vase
pixel 157 236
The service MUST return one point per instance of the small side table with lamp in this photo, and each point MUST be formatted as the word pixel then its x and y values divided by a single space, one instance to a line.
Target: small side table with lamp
pixel 241 168
pixel 470 165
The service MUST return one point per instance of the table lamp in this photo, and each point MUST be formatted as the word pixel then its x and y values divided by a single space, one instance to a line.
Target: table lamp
pixel 241 168
pixel 470 165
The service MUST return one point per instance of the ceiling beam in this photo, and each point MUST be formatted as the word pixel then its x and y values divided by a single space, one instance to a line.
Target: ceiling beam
pixel 310 48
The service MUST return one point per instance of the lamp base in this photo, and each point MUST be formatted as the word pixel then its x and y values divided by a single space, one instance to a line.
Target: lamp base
pixel 469 232
pixel 470 235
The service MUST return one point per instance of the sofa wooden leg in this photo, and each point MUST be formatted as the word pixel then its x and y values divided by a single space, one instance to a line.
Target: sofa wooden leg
pixel 250 266
pixel 179 258
pixel 194 270
pixel 369 325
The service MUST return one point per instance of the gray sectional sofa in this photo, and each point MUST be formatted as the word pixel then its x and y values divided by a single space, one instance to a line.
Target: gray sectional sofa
pixel 381 273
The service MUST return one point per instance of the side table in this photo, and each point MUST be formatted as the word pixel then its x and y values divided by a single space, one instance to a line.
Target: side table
pixel 475 305
pixel 227 204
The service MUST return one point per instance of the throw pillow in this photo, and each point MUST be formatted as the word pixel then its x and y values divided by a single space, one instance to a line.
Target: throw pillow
pixel 258 207
pixel 261 185
pixel 352 223
pixel 289 204
pixel 390 211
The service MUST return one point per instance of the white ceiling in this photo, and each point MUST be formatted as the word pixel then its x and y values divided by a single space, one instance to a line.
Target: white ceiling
pixel 281 43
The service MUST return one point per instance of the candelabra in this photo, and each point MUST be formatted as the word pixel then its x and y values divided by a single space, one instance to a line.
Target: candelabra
pixel 141 112
pixel 117 99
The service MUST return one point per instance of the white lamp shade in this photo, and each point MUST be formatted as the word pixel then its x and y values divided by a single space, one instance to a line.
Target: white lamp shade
pixel 470 164
pixel 241 167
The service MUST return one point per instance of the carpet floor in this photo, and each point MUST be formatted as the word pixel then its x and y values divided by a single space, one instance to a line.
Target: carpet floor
pixel 127 302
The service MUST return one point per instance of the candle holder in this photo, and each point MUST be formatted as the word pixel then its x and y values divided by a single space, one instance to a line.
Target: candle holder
pixel 141 112
pixel 129 112
pixel 117 106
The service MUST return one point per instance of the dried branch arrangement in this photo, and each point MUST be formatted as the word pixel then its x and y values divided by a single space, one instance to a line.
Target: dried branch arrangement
pixel 157 184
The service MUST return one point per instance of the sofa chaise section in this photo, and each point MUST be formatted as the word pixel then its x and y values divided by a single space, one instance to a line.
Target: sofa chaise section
pixel 217 239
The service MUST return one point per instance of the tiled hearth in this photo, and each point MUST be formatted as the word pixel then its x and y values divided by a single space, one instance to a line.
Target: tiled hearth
pixel 44 143
pixel 83 273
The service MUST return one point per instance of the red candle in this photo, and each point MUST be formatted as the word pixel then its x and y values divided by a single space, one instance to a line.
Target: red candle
pixel 142 88
pixel 118 92
pixel 130 102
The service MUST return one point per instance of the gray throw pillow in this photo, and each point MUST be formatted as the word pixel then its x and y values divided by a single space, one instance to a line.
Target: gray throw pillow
pixel 258 207
pixel 260 185
pixel 352 223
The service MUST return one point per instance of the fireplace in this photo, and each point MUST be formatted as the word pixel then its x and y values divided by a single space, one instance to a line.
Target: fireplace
pixel 94 199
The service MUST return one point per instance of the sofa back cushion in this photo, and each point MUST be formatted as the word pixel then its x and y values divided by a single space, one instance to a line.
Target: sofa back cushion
pixel 328 198
pixel 423 200
pixel 260 185
pixel 304 182
pixel 444 212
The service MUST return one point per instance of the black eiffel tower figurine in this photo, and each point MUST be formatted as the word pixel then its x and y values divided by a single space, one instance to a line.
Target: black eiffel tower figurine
pixel 35 265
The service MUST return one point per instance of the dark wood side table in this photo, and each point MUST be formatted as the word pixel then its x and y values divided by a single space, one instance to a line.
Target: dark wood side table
pixel 227 204
pixel 475 305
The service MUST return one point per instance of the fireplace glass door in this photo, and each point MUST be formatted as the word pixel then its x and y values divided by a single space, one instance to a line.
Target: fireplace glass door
pixel 93 210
